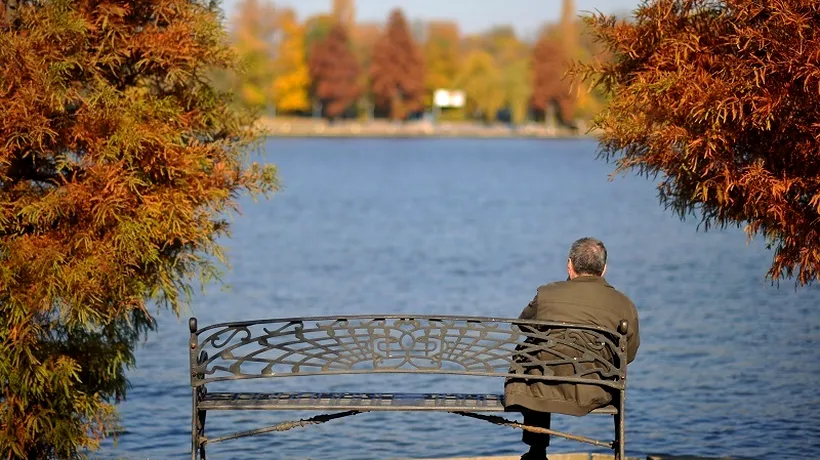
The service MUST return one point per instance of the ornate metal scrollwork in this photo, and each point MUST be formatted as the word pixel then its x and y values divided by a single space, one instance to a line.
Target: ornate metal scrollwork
pixel 455 345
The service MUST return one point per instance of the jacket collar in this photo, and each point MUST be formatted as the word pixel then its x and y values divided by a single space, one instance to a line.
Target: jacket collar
pixel 590 279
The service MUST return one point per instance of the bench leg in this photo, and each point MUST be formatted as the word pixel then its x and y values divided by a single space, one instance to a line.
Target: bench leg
pixel 201 419
pixel 620 429
pixel 197 428
pixel 194 431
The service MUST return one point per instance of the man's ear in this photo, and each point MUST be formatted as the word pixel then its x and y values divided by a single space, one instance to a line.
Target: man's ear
pixel 604 272
pixel 570 269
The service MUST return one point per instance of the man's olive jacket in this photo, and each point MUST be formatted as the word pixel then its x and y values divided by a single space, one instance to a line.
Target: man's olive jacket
pixel 587 300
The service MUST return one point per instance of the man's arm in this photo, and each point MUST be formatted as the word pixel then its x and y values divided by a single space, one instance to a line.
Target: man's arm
pixel 530 309
pixel 633 337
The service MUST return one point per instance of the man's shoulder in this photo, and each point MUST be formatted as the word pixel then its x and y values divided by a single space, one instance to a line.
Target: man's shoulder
pixel 623 304
pixel 618 293
pixel 553 285
pixel 599 288
pixel 622 298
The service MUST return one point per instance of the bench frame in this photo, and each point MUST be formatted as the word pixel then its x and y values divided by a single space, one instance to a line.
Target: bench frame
pixel 407 344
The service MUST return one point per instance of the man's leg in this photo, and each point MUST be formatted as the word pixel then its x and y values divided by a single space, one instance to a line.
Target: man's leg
pixel 538 442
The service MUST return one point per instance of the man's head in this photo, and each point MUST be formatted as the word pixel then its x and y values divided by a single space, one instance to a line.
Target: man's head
pixel 587 257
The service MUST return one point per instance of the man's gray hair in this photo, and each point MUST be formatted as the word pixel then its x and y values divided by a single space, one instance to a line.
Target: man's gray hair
pixel 588 256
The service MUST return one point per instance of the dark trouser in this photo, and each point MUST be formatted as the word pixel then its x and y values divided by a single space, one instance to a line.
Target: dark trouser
pixel 541 420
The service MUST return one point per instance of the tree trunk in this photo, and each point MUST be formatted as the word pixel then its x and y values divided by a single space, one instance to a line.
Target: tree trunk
pixel 549 118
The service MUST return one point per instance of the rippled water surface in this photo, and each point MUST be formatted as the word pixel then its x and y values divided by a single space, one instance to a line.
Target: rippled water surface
pixel 728 363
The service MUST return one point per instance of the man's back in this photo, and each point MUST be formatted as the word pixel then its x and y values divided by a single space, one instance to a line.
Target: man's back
pixel 587 300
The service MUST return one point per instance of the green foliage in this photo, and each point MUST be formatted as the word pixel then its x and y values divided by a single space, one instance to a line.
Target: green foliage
pixel 254 29
pixel 441 55
pixel 317 29
pixel 517 89
pixel 118 164
pixel 483 83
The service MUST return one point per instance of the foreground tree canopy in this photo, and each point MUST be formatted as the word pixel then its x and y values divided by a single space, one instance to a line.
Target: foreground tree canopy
pixel 723 99
pixel 118 161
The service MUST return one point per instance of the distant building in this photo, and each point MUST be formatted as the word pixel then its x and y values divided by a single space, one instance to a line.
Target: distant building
pixel 344 11
pixel 569 21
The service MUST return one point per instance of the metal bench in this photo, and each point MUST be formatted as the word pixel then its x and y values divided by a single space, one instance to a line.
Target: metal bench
pixel 481 347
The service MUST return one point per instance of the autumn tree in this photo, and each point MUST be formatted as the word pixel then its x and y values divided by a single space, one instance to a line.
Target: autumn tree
pixel 504 45
pixel 317 27
pixel 517 89
pixel 441 55
pixel 291 79
pixel 722 99
pixel 397 71
pixel 511 55
pixel 118 162
pixel 254 31
pixel 483 84
pixel 334 72
pixel 552 94
pixel 364 37
pixel 590 98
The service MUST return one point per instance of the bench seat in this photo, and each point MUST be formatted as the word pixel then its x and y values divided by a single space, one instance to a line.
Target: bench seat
pixel 361 402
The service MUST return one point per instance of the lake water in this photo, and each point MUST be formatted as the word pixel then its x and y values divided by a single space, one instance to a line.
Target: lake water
pixel 728 363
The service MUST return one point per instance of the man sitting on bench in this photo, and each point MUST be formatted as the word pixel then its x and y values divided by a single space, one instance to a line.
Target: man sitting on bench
pixel 585 298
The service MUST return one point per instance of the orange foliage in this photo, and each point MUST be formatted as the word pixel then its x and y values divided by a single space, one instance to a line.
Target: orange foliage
pixel 397 72
pixel 335 72
pixel 723 99
pixel 364 37
pixel 118 160
pixel 549 87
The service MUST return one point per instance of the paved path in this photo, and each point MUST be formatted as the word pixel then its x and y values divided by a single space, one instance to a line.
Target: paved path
pixel 587 456
pixel 579 456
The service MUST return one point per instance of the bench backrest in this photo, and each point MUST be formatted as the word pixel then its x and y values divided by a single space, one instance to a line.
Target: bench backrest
pixel 490 347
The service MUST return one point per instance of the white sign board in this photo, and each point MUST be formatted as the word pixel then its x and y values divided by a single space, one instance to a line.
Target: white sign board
pixel 448 98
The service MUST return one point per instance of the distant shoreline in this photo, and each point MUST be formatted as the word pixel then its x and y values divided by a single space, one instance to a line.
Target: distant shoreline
pixel 301 128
